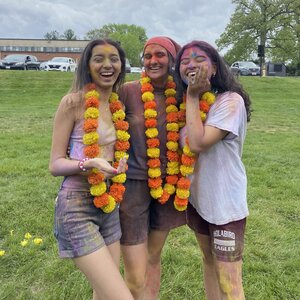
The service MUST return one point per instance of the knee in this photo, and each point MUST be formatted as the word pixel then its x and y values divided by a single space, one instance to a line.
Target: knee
pixel 135 282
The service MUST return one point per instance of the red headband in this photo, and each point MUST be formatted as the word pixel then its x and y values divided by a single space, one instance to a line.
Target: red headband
pixel 171 46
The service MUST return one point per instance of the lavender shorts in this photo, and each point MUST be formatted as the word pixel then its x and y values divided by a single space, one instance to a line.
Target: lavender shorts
pixel 79 227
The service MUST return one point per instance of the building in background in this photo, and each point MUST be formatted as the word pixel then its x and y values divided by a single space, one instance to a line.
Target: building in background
pixel 43 49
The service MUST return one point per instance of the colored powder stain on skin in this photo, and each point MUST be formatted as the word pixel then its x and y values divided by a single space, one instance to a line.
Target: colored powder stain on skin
pixel 108 48
pixel 225 284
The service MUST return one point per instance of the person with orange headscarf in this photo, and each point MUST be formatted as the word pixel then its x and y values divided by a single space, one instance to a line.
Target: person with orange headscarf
pixel 148 211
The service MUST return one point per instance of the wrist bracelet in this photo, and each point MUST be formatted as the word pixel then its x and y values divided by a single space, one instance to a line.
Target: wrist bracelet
pixel 80 164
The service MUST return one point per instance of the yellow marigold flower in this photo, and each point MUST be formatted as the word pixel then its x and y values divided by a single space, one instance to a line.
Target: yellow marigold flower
pixel 173 146
pixel 182 106
pixel 202 115
pixel 182 194
pixel 181 124
pixel 156 193
pixel 187 151
pixel 145 80
pixel 92 113
pixel 90 138
pixel 170 188
pixel 171 108
pixel 151 132
pixel 120 178
pixel 172 164
pixel 24 243
pixel 2 252
pixel 186 170
pixel 170 92
pixel 153 152
pixel 172 126
pixel 92 93
pixel 37 241
pixel 173 171
pixel 120 154
pixel 154 172
pixel 28 236
pixel 209 97
pixel 118 115
pixel 179 207
pixel 113 97
pixel 122 135
pixel 110 206
pixel 150 113
pixel 98 189
pixel 147 96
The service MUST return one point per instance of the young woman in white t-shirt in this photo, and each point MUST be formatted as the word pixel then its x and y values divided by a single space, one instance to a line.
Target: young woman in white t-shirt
pixel 218 204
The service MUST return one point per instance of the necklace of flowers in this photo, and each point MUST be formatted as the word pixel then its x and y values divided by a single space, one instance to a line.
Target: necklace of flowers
pixel 103 199
pixel 188 158
pixel 155 182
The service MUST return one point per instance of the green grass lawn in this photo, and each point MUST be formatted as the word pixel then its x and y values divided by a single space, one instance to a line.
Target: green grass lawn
pixel 28 101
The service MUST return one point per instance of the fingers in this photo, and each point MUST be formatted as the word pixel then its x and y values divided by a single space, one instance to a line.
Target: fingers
pixel 122 165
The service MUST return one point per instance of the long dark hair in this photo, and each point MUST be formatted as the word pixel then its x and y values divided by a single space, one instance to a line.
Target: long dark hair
pixel 223 81
pixel 83 76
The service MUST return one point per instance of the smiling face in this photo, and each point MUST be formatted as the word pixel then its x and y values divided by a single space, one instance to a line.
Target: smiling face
pixel 105 65
pixel 192 60
pixel 156 62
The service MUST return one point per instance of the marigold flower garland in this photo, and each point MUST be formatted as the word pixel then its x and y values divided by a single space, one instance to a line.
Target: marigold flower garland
pixel 188 158
pixel 155 182
pixel 103 199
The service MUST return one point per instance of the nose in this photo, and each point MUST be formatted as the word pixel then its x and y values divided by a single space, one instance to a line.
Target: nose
pixel 106 63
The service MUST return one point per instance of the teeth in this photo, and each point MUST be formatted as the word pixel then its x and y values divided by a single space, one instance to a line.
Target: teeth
pixel 192 74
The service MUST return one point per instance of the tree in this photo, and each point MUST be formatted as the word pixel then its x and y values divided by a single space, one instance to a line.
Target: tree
pixel 131 37
pixel 69 35
pixel 52 35
pixel 261 22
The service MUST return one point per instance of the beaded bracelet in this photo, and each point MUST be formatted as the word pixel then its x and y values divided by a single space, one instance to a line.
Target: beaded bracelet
pixel 80 164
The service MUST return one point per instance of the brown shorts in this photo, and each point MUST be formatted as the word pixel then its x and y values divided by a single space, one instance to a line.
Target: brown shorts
pixel 227 241
pixel 139 213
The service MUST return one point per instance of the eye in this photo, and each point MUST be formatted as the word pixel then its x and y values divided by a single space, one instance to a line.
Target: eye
pixel 115 59
pixel 185 61
pixel 147 56
pixel 200 59
pixel 160 54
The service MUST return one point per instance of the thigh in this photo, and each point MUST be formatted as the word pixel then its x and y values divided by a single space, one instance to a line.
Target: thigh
pixel 164 217
pixel 134 212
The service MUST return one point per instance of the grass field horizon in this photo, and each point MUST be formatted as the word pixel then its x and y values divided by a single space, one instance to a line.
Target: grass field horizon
pixel 28 101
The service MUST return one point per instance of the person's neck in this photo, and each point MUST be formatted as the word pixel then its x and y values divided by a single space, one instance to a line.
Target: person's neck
pixel 104 94
pixel 159 83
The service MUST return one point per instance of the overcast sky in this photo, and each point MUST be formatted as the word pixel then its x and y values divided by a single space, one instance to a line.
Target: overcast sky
pixel 183 20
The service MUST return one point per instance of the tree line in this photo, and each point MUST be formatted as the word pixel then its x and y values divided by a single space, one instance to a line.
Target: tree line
pixel 274 25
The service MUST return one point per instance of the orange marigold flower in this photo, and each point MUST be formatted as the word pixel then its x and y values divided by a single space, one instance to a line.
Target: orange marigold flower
pixel 115 106
pixel 91 151
pixel 171 100
pixel 150 123
pixel 121 125
pixel 122 145
pixel 154 183
pixel 173 155
pixel 184 183
pixel 117 191
pixel 172 179
pixel 181 116
pixel 150 105
pixel 204 106
pixel 95 178
pixel 187 160
pixel 164 197
pixel 92 102
pixel 171 85
pixel 90 125
pixel 102 200
pixel 152 143
pixel 172 117
pixel 153 163
pixel 180 202
pixel 173 136
pixel 147 87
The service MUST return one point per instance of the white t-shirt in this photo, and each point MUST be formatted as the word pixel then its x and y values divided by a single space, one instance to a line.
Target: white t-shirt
pixel 219 182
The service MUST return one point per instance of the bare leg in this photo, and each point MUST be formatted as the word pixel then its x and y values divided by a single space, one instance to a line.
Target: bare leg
pixel 230 280
pixel 211 284
pixel 135 263
pixel 156 241
pixel 103 275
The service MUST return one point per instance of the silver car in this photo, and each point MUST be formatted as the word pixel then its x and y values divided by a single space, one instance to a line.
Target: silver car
pixel 245 68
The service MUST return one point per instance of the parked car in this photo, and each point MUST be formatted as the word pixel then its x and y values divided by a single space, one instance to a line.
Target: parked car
pixel 128 66
pixel 20 62
pixel 245 68
pixel 136 70
pixel 63 64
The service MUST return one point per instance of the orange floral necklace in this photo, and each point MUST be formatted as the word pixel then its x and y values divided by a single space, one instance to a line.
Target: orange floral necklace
pixel 188 158
pixel 103 199
pixel 155 182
